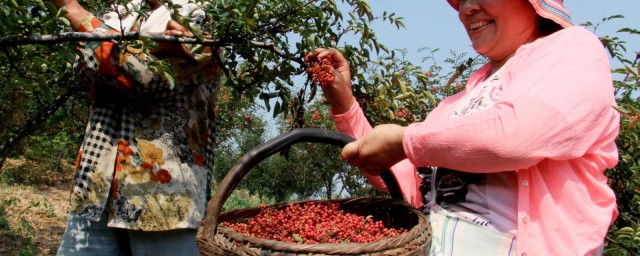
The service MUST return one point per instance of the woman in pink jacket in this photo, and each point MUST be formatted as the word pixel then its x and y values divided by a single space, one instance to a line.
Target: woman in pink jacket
pixel 530 137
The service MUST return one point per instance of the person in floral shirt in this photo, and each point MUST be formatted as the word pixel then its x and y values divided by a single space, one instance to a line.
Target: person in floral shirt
pixel 143 172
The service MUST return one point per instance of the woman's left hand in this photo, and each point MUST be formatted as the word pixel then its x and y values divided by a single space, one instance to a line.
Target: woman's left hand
pixel 174 29
pixel 338 93
pixel 377 150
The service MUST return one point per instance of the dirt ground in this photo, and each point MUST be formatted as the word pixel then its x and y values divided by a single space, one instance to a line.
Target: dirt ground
pixel 32 212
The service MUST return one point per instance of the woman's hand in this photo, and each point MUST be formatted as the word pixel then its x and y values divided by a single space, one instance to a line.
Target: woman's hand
pixel 377 150
pixel 75 11
pixel 339 93
pixel 165 49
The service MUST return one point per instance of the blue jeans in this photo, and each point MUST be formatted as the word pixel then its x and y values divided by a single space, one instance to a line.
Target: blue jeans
pixel 85 237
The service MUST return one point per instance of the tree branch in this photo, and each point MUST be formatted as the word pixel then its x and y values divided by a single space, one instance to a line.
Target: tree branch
pixel 273 48
pixel 273 26
pixel 84 36
pixel 13 66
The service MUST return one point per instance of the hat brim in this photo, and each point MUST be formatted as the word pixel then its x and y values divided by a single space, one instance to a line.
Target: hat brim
pixel 549 9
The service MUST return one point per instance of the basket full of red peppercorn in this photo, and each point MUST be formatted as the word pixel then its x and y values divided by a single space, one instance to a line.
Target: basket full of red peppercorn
pixel 350 226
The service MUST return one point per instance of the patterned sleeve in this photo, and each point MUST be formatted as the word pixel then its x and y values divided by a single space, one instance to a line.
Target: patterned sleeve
pixel 125 67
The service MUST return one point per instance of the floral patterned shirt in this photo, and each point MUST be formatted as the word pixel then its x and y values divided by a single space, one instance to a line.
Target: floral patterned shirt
pixel 147 153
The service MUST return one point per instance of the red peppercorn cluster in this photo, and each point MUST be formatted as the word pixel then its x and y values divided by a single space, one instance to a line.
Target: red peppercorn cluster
pixel 313 223
pixel 321 71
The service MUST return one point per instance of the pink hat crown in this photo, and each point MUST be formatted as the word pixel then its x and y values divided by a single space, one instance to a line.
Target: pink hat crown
pixel 550 9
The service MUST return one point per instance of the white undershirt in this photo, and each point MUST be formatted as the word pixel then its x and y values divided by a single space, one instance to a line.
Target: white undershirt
pixel 493 202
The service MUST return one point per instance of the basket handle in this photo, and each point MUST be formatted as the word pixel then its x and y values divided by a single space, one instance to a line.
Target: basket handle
pixel 265 150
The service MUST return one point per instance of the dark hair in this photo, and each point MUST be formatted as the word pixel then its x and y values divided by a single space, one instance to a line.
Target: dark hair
pixel 547 26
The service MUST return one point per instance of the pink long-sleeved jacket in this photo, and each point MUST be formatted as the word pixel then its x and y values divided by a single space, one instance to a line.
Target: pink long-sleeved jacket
pixel 554 125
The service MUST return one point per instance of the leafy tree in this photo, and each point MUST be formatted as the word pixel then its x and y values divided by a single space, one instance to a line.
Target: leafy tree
pixel 264 43
pixel 37 92
pixel 624 235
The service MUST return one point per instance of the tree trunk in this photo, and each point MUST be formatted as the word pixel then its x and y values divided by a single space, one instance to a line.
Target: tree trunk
pixel 33 124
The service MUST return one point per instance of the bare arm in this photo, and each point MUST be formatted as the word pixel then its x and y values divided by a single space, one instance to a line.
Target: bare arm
pixel 75 11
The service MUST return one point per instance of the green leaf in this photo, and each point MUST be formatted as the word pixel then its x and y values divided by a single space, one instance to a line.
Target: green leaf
pixel 311 39
pixel 629 30
pixel 623 237
pixel 197 49
pixel 14 4
pixel 404 96
pixel 40 4
pixel 390 114
pixel 431 97
pixel 6 10
pixel 197 33
pixel 266 104
pixel 625 231
pixel 400 24
pixel 622 110
pixel 170 79
pixel 251 23
pixel 631 71
pixel 276 109
pixel 297 238
pixel 62 12
pixel 64 21
pixel 399 83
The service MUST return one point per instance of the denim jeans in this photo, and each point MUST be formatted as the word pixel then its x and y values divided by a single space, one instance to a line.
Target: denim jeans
pixel 85 237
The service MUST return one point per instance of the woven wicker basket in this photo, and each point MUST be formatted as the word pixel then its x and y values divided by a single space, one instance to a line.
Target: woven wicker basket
pixel 217 239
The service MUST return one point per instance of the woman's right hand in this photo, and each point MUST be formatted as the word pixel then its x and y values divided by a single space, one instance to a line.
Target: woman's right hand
pixel 338 93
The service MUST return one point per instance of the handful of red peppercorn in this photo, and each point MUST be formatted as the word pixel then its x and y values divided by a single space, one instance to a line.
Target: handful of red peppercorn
pixel 321 69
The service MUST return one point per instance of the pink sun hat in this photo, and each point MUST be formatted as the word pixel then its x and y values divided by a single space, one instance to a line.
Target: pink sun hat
pixel 550 9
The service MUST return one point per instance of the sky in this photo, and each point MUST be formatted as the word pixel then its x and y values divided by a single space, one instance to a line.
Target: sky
pixel 434 24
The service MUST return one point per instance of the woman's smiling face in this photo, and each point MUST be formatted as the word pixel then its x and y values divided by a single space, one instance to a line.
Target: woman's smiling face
pixel 497 28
